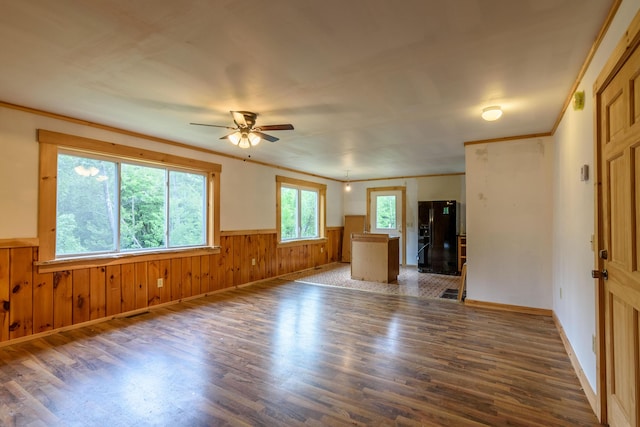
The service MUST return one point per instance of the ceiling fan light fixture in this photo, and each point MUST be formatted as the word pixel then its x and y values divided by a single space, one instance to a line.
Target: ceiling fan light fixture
pixel 492 113
pixel 245 134
pixel 254 139
pixel 235 138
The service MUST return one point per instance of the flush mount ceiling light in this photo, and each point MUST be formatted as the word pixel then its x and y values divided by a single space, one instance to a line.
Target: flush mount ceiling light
pixel 492 113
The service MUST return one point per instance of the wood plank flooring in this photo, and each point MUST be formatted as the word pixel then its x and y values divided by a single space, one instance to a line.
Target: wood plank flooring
pixel 285 353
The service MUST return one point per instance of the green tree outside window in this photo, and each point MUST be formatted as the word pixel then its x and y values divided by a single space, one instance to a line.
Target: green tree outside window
pixel 298 213
pixel 386 212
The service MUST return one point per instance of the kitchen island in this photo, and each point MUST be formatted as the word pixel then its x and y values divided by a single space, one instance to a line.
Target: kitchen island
pixel 375 257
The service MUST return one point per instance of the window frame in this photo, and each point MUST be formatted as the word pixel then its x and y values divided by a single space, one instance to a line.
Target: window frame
pixel 50 143
pixel 322 211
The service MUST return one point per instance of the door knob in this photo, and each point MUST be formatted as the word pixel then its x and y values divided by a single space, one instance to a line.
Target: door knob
pixel 597 274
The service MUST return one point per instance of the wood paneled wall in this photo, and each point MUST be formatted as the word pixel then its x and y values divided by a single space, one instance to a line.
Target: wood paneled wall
pixel 33 303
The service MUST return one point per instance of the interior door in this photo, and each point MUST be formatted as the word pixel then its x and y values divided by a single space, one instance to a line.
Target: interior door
pixel 618 211
pixel 386 207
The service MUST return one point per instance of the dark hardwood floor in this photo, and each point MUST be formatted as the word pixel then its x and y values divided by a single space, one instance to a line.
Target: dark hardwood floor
pixel 284 353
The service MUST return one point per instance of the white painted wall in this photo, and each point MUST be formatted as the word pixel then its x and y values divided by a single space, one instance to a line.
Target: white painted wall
pixel 248 200
pixel 248 196
pixel 18 175
pixel 573 258
pixel 509 219
pixel 440 187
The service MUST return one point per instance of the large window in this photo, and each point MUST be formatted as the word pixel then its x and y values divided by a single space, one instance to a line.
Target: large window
pixel 109 199
pixel 108 205
pixel 300 209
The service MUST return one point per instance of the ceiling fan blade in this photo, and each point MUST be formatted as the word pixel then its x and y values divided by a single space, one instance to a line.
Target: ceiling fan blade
pixel 275 127
pixel 215 126
pixel 238 117
pixel 265 136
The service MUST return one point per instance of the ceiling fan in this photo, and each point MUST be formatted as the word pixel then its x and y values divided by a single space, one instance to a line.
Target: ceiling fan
pixel 246 134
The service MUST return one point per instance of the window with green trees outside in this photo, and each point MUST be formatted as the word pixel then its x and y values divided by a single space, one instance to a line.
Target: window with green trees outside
pixel 107 205
pixel 300 212
pixel 386 212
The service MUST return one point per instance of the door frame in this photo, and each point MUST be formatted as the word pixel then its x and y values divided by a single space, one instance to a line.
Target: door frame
pixel 403 191
pixel 618 57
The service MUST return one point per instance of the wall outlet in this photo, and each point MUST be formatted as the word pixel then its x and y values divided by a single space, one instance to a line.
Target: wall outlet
pixel 560 293
pixel 593 343
pixel 160 282
pixel 253 261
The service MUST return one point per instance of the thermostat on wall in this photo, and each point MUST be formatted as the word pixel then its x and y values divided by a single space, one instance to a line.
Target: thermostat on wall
pixel 584 173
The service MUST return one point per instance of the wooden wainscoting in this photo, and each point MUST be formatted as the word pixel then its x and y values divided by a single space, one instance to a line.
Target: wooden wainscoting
pixel 36 303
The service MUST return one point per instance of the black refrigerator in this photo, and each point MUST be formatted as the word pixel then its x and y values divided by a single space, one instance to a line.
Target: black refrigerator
pixel 437 240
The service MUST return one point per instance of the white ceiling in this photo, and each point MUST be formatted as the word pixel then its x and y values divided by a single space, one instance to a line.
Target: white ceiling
pixel 379 88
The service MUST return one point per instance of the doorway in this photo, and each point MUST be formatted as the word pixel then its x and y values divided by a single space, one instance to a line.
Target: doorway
pixel 386 214
pixel 618 231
